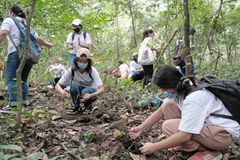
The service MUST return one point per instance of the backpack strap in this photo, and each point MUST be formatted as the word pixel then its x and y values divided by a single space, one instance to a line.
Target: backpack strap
pixel 73 35
pixel 84 35
pixel 72 74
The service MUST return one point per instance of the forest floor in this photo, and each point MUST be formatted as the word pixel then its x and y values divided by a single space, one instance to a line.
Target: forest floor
pixel 101 134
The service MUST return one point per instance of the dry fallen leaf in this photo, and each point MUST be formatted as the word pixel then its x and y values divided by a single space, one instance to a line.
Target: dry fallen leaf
pixel 35 148
pixel 137 157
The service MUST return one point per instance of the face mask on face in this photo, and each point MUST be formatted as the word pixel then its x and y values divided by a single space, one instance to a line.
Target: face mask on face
pixel 82 66
pixel 168 94
pixel 77 30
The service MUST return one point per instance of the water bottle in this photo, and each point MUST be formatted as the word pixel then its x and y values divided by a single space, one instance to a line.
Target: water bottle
pixel 156 102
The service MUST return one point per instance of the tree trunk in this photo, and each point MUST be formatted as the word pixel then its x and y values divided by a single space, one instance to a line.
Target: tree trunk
pixel 187 53
pixel 130 6
pixel 22 64
pixel 117 28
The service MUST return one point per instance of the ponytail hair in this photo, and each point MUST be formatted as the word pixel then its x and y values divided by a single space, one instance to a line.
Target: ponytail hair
pixel 18 11
pixel 185 85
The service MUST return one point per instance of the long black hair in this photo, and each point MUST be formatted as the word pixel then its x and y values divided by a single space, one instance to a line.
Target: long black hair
pixel 18 11
pixel 146 32
pixel 168 77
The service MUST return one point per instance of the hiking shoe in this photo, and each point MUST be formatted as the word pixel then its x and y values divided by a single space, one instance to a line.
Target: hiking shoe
pixel 75 110
pixel 8 107
pixel 207 155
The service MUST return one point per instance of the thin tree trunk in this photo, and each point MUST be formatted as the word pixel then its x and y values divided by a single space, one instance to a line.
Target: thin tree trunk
pixel 130 6
pixel 117 27
pixel 166 46
pixel 188 64
pixel 22 64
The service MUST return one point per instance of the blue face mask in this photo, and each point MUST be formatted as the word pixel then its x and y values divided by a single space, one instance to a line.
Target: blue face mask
pixel 168 94
pixel 82 66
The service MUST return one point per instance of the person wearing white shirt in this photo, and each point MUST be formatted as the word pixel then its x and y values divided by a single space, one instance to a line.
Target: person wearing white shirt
pixel 57 70
pixel 84 80
pixel 135 70
pixel 189 122
pixel 10 30
pixel 77 39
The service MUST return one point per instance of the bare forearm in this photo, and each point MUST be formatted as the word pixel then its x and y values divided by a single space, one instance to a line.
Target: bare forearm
pixel 173 141
pixel 58 88
pixel 84 45
pixel 43 43
pixel 99 92
pixel 152 119
pixel 3 35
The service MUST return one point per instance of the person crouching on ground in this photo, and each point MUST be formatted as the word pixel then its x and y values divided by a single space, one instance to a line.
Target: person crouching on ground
pixel 188 122
pixel 84 80
pixel 56 70
pixel 135 70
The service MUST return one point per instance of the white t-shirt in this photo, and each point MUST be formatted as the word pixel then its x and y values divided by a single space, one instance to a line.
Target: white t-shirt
pixel 134 68
pixel 9 25
pixel 83 79
pixel 196 110
pixel 57 70
pixel 123 68
pixel 76 39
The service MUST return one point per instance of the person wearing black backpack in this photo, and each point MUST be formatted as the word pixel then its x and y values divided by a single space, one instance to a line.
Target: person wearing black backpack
pixel 191 121
pixel 84 80
pixel 10 30
pixel 77 39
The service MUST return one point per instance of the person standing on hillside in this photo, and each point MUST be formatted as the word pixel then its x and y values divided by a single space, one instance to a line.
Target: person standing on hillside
pixel 77 39
pixel 146 55
pixel 10 30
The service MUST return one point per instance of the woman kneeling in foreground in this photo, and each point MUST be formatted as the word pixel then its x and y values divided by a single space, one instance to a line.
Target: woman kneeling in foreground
pixel 188 123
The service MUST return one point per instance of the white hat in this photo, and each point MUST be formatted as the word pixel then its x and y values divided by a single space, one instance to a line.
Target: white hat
pixel 76 22
pixel 135 54
pixel 82 51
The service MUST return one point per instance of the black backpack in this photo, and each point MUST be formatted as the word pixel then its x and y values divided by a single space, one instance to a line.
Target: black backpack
pixel 227 91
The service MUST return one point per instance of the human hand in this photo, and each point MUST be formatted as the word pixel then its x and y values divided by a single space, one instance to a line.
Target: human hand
pixel 49 45
pixel 65 93
pixel 148 148
pixel 86 97
pixel 135 132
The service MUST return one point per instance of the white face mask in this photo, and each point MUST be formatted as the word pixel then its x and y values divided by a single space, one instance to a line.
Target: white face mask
pixel 82 66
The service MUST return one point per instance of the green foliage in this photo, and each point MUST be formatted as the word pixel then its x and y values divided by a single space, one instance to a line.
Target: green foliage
pixel 88 136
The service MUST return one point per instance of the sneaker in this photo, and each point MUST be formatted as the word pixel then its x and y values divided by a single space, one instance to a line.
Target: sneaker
pixel 8 107
pixel 207 155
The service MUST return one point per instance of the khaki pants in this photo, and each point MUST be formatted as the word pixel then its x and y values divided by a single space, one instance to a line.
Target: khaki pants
pixel 211 137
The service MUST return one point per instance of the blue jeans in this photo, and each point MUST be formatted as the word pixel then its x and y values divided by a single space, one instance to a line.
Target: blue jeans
pixel 71 58
pixel 77 92
pixel 11 68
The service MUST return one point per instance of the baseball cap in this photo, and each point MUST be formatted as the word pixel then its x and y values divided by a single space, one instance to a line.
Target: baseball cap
pixel 135 54
pixel 82 51
pixel 76 22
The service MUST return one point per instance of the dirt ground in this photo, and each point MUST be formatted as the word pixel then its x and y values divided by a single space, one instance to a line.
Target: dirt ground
pixel 101 134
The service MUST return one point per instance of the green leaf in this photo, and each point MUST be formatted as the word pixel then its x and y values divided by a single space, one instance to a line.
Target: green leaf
pixel 11 147
pixel 9 156
pixel 35 155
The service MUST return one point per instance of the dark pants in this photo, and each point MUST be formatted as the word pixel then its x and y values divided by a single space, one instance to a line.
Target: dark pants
pixel 148 73
pixel 77 92
pixel 137 76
